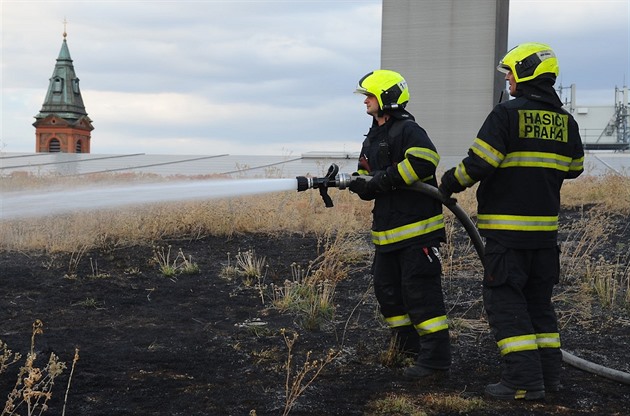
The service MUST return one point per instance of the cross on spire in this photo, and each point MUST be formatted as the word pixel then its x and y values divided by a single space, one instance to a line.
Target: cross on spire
pixel 65 22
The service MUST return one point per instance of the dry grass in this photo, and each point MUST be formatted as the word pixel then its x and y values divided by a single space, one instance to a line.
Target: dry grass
pixel 34 385
pixel 107 229
pixel 250 267
pixel 312 300
pixel 392 356
pixel 7 357
pixel 311 289
pixel 171 266
pixel 428 404
pixel 610 192
pixel 276 213
pixel 394 405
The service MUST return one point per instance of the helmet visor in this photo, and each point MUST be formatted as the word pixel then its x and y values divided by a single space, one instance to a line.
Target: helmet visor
pixel 503 68
pixel 361 90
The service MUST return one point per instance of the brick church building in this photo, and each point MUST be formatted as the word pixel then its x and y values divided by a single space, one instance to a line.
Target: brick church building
pixel 62 124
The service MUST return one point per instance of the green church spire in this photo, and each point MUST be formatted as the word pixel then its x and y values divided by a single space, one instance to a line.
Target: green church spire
pixel 64 95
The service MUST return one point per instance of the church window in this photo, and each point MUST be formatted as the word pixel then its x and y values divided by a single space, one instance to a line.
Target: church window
pixel 57 84
pixel 54 146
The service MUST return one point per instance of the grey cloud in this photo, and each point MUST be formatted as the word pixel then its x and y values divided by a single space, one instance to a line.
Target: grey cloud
pixel 289 66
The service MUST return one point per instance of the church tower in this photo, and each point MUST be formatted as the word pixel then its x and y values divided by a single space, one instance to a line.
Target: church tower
pixel 62 124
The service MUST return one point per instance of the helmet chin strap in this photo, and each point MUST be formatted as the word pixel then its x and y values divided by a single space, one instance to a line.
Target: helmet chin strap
pixel 382 118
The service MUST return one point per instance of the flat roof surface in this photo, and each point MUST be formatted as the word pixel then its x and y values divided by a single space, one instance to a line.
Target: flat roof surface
pixel 236 166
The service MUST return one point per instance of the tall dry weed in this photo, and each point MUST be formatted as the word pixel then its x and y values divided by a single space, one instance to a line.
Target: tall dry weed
pixel 582 237
pixel 611 192
pixel 33 388
pixel 300 377
pixel 7 357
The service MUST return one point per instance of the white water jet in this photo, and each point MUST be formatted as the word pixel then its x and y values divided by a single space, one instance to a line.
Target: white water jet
pixel 18 205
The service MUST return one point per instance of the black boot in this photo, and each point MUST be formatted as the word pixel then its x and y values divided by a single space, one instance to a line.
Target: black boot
pixel 550 360
pixel 407 341
pixel 434 358
pixel 435 351
pixel 419 373
pixel 502 392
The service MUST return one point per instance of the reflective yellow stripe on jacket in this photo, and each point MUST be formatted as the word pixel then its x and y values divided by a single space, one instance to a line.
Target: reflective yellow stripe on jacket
pixel 518 343
pixel 405 168
pixel 496 159
pixel 577 164
pixel 408 231
pixel 517 222
pixel 487 153
pixel 541 160
pixel 462 176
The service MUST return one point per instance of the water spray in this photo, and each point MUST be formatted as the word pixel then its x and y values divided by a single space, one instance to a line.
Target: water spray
pixel 32 204
pixel 342 180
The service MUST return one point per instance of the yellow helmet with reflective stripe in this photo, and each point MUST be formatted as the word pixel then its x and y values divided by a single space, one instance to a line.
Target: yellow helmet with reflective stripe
pixel 389 88
pixel 529 60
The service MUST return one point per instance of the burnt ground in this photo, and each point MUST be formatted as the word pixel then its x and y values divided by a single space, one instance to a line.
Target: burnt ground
pixel 152 345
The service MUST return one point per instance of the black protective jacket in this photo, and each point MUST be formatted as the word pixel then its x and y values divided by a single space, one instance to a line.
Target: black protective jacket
pixel 523 152
pixel 402 216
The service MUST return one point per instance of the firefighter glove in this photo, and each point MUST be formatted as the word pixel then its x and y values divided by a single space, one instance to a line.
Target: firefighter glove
pixel 380 182
pixel 358 185
pixel 449 184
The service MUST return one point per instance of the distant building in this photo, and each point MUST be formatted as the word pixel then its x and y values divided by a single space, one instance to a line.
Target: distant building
pixel 62 124
pixel 447 50
pixel 602 127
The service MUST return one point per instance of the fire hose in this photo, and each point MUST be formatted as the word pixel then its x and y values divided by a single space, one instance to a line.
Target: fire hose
pixel 334 179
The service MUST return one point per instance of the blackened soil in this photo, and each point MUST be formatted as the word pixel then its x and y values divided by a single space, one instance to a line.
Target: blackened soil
pixel 204 344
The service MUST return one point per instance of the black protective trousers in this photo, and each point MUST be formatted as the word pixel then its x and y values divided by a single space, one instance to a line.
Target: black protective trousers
pixel 517 290
pixel 408 282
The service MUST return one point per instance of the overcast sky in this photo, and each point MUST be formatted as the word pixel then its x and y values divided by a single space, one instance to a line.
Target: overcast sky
pixel 252 77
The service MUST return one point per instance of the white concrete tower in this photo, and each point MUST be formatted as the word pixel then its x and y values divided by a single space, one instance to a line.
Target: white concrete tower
pixel 448 51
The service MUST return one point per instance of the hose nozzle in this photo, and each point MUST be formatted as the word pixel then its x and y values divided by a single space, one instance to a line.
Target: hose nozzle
pixel 333 179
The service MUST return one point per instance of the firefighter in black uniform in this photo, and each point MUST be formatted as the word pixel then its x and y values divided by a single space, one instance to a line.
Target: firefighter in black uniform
pixel 523 152
pixel 407 226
